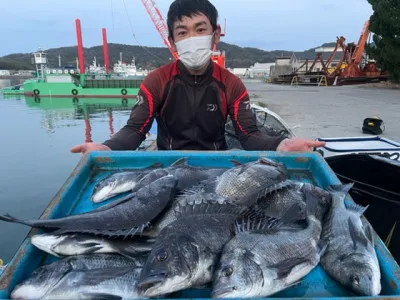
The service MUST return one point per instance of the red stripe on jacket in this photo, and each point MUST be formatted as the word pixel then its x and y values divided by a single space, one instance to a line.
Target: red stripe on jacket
pixel 236 111
pixel 150 100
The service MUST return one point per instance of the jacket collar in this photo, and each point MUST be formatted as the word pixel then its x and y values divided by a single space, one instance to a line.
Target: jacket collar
pixel 196 79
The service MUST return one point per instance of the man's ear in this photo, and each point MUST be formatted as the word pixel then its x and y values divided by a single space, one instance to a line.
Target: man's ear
pixel 217 35
pixel 172 43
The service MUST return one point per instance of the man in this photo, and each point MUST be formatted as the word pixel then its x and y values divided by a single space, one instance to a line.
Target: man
pixel 191 98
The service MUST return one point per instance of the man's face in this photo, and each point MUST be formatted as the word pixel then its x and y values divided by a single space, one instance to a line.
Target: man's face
pixel 197 25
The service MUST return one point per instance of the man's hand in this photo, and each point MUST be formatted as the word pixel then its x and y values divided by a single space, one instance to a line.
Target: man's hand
pixel 88 147
pixel 298 145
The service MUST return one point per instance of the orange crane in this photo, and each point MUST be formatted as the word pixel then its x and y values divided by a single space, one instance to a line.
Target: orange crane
pixel 158 21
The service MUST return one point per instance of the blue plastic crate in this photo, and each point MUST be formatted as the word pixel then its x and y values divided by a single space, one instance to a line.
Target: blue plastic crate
pixel 74 197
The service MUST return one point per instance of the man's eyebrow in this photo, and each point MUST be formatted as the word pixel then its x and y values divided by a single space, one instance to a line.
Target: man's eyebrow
pixel 200 23
pixel 180 26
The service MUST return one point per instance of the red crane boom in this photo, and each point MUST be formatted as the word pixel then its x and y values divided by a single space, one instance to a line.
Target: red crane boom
pixel 159 23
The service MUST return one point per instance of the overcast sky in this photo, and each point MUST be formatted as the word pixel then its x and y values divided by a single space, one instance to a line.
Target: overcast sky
pixel 265 24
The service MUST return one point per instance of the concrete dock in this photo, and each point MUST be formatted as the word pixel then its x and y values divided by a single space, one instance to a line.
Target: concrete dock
pixel 322 112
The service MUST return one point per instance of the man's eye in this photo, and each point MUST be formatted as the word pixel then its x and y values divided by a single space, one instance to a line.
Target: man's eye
pixel 201 30
pixel 182 33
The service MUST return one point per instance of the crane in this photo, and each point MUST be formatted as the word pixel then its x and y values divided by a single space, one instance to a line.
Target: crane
pixel 359 50
pixel 158 21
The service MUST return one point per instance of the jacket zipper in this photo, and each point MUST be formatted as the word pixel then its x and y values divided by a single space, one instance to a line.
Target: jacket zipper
pixel 170 143
pixel 215 147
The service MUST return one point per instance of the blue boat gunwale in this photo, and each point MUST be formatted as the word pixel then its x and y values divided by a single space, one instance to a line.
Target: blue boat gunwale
pixel 112 161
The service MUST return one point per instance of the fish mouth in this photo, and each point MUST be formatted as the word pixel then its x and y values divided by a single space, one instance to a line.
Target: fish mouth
pixel 40 242
pixel 222 292
pixel 151 282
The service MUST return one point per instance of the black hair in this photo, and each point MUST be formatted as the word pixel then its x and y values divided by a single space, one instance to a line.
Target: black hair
pixel 189 8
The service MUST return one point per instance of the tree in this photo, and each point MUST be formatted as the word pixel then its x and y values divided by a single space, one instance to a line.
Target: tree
pixel 385 24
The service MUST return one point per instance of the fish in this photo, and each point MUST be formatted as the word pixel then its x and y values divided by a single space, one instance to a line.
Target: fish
pixel 120 182
pixel 277 203
pixel 110 283
pixel 186 251
pixel 79 244
pixel 46 277
pixel 261 260
pixel 246 183
pixel 350 256
pixel 190 197
pixel 189 176
pixel 124 217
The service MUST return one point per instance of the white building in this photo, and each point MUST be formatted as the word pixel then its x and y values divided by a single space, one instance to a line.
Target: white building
pixel 4 73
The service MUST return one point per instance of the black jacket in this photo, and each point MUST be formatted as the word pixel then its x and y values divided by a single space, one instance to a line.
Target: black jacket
pixel 191 112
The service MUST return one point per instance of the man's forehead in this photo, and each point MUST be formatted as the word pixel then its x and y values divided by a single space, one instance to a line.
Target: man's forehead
pixel 196 19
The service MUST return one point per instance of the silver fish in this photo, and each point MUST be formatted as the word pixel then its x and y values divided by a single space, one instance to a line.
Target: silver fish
pixel 186 251
pixel 259 261
pixel 46 277
pixel 350 256
pixel 78 244
pixel 124 217
pixel 120 182
pixel 245 184
pixel 110 283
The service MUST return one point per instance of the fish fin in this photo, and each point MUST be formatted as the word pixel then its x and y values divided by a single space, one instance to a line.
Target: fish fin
pixel 270 162
pixel 11 219
pixel 261 226
pixel 207 208
pixel 101 296
pixel 180 162
pixel 369 233
pixel 356 236
pixel 104 232
pixel 342 188
pixel 236 163
pixel 360 210
pixel 284 267
pixel 275 187
pixel 155 165
pixel 131 254
pixel 321 249
pixel 256 221
pixel 116 202
pixel 146 179
pixel 190 192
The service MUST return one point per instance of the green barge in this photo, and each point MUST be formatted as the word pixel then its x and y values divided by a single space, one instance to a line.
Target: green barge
pixel 83 86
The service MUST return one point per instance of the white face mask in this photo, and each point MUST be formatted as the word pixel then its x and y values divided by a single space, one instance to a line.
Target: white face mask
pixel 195 52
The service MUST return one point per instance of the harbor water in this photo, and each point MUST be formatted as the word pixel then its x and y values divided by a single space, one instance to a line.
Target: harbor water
pixel 36 135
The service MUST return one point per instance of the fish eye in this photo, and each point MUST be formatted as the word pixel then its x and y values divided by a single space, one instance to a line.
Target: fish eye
pixel 161 256
pixel 355 279
pixel 228 271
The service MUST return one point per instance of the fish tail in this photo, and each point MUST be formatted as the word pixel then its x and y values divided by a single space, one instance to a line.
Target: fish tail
pixel 341 190
pixel 11 219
